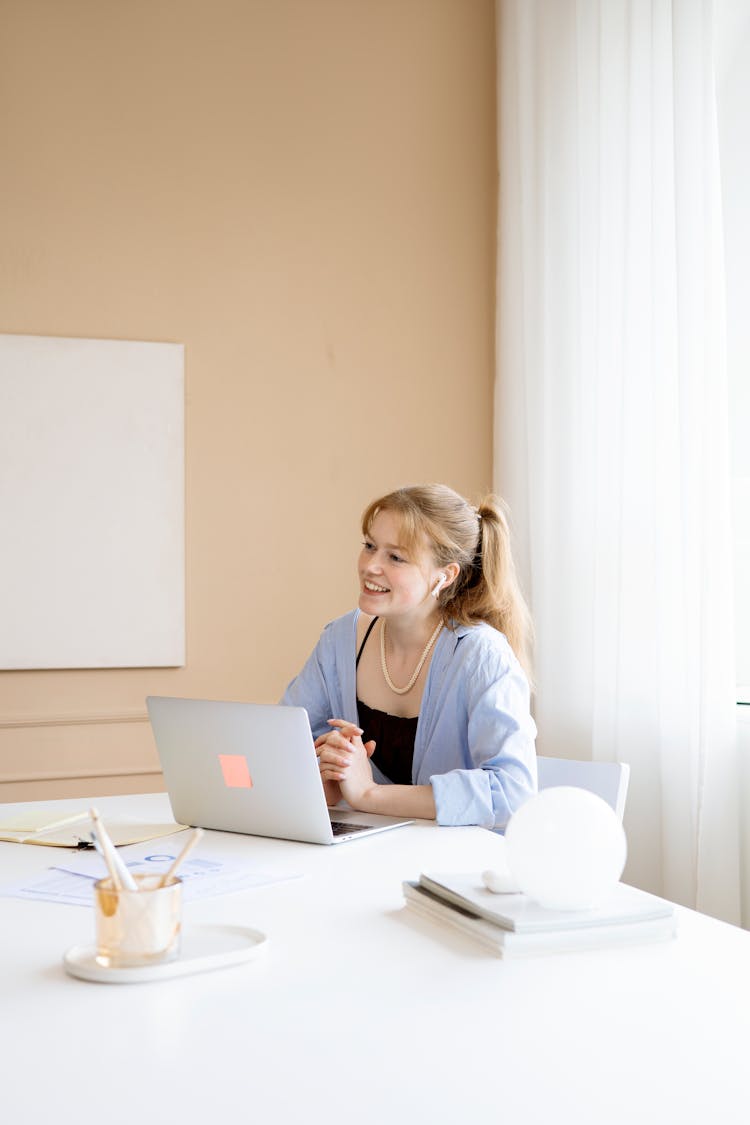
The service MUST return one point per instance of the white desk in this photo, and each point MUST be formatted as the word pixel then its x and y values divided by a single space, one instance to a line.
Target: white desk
pixel 361 1009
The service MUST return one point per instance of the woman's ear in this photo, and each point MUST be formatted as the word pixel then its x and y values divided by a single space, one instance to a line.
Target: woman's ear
pixel 452 570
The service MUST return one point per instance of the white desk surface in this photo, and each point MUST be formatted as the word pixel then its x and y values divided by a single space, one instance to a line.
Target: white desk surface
pixel 358 1008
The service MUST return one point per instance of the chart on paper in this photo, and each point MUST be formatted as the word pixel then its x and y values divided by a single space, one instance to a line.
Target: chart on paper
pixel 72 880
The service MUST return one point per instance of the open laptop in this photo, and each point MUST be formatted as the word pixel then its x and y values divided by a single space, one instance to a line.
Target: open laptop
pixel 251 768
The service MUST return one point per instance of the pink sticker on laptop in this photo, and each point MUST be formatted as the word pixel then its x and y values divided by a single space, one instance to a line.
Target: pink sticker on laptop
pixel 236 771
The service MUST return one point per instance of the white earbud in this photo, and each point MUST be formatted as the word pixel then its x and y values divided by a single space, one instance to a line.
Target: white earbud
pixel 439 585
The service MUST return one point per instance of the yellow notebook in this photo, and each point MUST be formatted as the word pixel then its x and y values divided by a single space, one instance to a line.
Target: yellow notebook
pixel 40 826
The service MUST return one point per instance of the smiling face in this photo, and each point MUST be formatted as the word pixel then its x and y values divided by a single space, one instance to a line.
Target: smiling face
pixel 392 580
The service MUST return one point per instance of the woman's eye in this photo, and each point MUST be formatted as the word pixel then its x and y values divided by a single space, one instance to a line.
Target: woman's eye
pixel 397 558
pixel 368 546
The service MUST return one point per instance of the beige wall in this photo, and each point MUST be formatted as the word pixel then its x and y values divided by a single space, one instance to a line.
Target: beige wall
pixel 303 193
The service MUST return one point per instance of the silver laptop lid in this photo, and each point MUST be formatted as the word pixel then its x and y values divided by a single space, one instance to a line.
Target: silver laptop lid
pixel 241 767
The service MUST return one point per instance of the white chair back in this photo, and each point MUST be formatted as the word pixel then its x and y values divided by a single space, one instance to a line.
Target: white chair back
pixel 609 780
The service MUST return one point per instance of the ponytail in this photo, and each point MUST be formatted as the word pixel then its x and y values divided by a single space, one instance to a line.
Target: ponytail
pixel 488 589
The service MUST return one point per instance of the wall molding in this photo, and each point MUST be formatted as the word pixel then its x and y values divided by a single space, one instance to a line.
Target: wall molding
pixel 78 775
pixel 26 721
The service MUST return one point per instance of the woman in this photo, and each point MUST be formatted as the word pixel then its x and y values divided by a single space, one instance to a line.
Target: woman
pixel 418 700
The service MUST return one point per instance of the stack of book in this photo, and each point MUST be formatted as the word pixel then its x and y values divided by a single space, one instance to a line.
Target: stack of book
pixel 511 925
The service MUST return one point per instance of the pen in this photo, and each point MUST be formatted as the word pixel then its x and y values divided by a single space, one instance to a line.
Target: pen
pixel 183 854
pixel 117 885
pixel 118 872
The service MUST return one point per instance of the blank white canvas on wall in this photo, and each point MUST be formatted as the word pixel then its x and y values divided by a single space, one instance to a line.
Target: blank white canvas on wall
pixel 92 556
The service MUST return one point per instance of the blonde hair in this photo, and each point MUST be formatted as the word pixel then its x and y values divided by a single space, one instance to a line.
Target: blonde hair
pixel 478 539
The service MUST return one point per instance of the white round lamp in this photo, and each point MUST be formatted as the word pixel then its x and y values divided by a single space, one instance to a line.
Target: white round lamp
pixel 566 848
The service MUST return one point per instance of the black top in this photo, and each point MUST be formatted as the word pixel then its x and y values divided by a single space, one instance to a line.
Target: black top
pixel 394 735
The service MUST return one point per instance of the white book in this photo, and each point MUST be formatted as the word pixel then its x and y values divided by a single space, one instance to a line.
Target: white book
pixel 507 943
pixel 518 913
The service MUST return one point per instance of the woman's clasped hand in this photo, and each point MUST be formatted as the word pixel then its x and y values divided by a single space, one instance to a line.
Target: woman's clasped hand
pixel 344 761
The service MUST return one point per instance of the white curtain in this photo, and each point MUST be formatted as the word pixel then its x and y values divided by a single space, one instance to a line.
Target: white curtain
pixel 611 414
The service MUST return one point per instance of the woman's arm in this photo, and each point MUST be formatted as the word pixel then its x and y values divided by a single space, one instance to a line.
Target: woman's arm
pixel 498 771
pixel 395 800
pixel 325 686
pixel 345 763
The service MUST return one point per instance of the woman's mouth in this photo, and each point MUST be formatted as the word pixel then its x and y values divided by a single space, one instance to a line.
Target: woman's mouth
pixel 373 588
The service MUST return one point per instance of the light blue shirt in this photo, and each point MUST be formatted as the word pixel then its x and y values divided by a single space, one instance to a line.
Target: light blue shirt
pixel 475 736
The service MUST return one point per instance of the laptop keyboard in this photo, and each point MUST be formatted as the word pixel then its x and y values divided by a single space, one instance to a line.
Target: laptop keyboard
pixel 342 827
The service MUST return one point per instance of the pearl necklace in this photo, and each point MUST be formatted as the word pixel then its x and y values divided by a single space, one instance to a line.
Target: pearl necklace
pixel 417 670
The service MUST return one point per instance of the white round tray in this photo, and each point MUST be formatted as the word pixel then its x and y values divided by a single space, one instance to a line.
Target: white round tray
pixel 203 948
